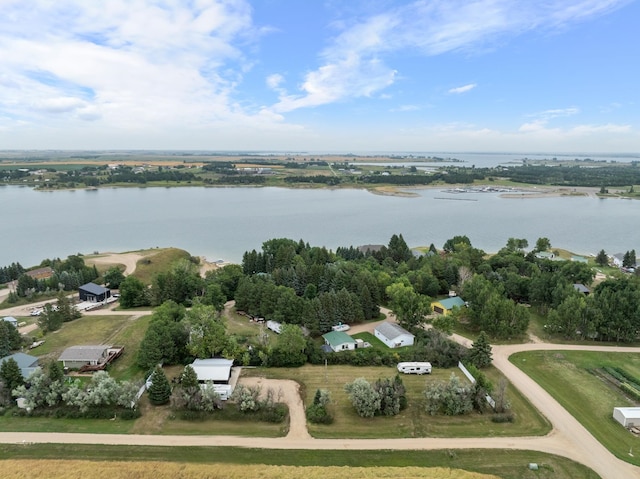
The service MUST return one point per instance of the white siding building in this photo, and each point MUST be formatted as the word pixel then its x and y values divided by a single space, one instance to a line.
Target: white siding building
pixel 393 335
pixel 627 416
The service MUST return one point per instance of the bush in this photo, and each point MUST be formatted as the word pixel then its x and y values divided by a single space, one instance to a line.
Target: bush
pixel 275 413
pixel 318 414
pixel 503 417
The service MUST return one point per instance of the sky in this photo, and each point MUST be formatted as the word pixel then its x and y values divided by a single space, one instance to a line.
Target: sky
pixel 357 76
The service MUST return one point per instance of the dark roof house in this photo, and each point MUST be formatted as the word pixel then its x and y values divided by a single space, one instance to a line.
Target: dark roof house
pixel 93 293
pixel 93 356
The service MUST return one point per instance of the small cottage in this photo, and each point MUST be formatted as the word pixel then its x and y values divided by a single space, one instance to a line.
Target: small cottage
pixel 338 341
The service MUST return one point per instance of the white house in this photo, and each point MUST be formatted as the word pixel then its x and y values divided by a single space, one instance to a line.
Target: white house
pixel 393 335
pixel 627 416
pixel 339 341
pixel 217 372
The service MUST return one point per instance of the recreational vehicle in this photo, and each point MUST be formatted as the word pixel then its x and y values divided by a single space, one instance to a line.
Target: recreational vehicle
pixel 415 368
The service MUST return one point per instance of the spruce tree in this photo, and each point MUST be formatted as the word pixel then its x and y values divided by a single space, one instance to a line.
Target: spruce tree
pixel 480 353
pixel 160 389
pixel 10 374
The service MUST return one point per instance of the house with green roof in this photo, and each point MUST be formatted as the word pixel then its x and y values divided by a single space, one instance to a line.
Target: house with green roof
pixel 445 306
pixel 338 341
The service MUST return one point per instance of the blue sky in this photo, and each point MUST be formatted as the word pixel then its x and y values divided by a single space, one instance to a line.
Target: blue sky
pixel 290 75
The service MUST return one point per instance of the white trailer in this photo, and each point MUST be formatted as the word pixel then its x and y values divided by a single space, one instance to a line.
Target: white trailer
pixel 415 368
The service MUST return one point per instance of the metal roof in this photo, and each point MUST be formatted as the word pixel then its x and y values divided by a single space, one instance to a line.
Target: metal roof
pixel 449 303
pixel 392 330
pixel 336 338
pixel 26 363
pixel 213 369
pixel 94 288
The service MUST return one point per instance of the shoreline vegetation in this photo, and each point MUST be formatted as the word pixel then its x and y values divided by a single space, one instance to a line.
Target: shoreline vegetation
pixel 390 175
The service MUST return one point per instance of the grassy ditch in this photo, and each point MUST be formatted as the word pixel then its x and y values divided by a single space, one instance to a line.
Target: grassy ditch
pixel 572 378
pixel 506 464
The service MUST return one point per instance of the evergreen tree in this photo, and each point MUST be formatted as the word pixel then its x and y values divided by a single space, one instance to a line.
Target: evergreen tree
pixel 602 259
pixel 160 389
pixel 10 374
pixel 480 353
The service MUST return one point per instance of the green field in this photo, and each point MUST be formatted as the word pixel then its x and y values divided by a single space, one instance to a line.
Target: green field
pixel 566 376
pixel 157 261
pixel 411 422
pixel 86 330
pixel 507 464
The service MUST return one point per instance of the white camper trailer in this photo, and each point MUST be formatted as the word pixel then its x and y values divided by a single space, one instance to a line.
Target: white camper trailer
pixel 415 368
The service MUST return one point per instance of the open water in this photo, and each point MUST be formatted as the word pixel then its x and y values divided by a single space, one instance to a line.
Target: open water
pixel 223 223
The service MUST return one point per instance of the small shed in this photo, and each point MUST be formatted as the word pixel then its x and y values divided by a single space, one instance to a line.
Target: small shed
pixel 581 288
pixel 11 320
pixel 215 372
pixel 627 416
pixel 26 363
pixel 445 306
pixel 393 335
pixel 339 341
pixel 94 293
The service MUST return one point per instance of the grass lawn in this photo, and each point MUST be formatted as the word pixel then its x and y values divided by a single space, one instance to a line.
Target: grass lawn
pixel 158 261
pixel 413 421
pixel 565 375
pixel 507 464
pixel 129 336
pixel 371 339
pixel 162 420
pixel 45 424
pixel 84 331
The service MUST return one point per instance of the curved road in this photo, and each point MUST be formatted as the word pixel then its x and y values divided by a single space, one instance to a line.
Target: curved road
pixel 568 437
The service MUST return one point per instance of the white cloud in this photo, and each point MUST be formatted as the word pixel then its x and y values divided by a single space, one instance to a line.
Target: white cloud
pixel 463 89
pixel 274 81
pixel 353 65
pixel 403 108
pixel 132 64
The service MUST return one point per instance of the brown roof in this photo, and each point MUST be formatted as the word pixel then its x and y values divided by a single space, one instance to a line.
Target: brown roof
pixel 40 273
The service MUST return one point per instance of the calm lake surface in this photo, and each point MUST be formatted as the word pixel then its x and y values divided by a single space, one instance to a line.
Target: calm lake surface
pixel 223 223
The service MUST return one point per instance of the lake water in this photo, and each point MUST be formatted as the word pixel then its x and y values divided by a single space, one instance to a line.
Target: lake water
pixel 223 223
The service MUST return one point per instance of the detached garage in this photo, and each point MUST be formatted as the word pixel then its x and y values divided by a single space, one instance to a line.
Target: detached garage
pixel 627 416
pixel 93 293
pixel 393 335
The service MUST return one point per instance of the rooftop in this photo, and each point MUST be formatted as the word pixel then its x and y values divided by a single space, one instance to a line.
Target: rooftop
pixel 450 303
pixel 392 330
pixel 213 369
pixel 94 288
pixel 336 338
pixel 83 353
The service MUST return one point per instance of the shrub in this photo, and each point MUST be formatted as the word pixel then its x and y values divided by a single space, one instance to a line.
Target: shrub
pixel 503 417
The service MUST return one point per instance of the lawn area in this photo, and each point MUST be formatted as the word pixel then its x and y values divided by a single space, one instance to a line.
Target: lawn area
pixel 84 331
pixel 506 464
pixel 45 424
pixel 413 421
pixel 129 336
pixel 371 339
pixel 565 375
pixel 158 261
